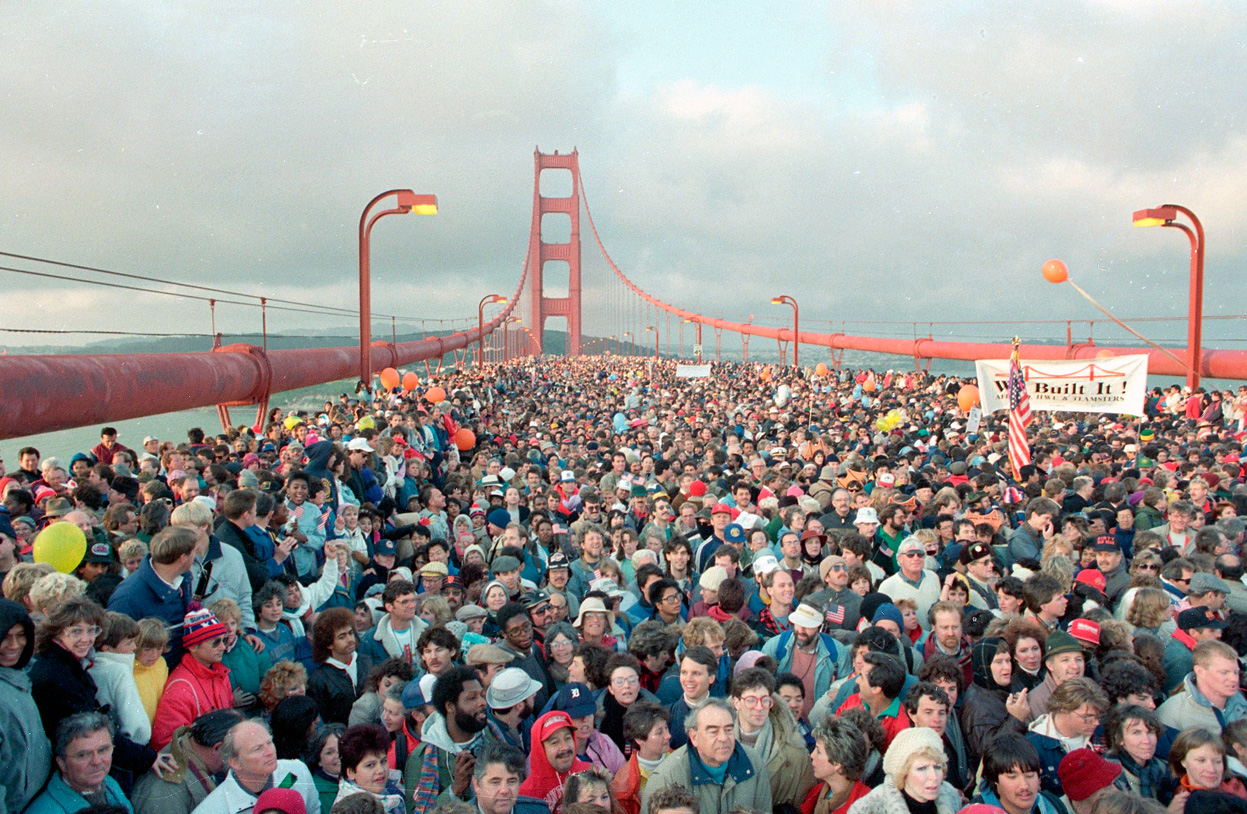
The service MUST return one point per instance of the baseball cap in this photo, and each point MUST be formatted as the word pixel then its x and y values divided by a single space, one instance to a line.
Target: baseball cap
pixel 1106 542
pixel 973 552
pixel 734 533
pixel 535 598
pixel 1196 618
pixel 359 445
pixel 806 616
pixel 1085 631
pixel 98 552
pixel 550 723
pixel 720 508
pixel 576 700
pixel 1092 577
pixel 557 560
pixel 765 564
pixel 1083 773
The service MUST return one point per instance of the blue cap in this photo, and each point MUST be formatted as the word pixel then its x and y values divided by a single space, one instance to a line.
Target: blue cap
pixel 576 700
pixel 385 546
pixel 499 517
pixel 734 533
pixel 412 696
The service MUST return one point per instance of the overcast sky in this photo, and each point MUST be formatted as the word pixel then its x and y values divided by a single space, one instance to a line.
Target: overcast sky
pixel 882 159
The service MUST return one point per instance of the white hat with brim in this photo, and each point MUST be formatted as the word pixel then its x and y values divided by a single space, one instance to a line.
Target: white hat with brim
pixel 806 616
pixel 594 605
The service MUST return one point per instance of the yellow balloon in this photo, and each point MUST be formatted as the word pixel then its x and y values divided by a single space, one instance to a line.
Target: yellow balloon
pixel 62 546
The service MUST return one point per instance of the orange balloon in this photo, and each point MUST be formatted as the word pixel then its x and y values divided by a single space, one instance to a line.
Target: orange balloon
pixel 820 369
pixel 434 394
pixel 389 378
pixel 465 439
pixel 967 397
pixel 869 386
pixel 1055 271
pixel 766 374
pixel 410 381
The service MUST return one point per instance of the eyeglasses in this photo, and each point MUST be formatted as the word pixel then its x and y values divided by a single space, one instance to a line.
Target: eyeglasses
pixel 914 554
pixel 625 681
pixel 1149 566
pixel 82 631
pixel 1087 717
pixel 756 701
pixel 838 568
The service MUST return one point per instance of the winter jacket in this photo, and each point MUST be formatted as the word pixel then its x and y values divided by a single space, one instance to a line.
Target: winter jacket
pixel 378 642
pixel 856 792
pixel 59 798
pixel 745 784
pixel 179 792
pixel 254 562
pixel 886 798
pixel 1051 751
pixel 831 659
pixel 333 691
pixel 25 754
pixel 193 689
pixel 231 798
pixel 1045 803
pixel 983 714
pixel 787 761
pixel 1191 708
pixel 61 687
pixel 144 594
pixel 246 667
pixel 116 689
pixel 228 579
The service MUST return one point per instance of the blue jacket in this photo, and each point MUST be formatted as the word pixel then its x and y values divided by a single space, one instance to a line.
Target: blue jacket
pixel 59 798
pixel 831 660
pixel 145 594
pixel 1051 753
pixel 1045 803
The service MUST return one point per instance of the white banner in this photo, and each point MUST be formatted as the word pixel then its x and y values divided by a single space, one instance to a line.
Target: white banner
pixel 1116 384
pixel 692 371
pixel 974 420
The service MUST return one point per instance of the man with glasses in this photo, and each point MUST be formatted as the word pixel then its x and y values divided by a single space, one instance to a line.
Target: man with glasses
pixel 913 580
pixel 200 682
pixel 540 612
pixel 762 724
pixel 977 559
pixel 517 639
pixel 841 606
pixel 84 757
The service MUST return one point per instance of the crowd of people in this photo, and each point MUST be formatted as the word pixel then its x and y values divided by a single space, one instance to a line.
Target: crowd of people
pixel 594 586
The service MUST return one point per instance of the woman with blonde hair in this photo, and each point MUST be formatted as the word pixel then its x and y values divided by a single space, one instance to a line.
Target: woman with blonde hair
pixel 1151 612
pixel 283 679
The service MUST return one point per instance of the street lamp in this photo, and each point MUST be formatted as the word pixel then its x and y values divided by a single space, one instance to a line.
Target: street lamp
pixel 1167 216
pixel 796 323
pixel 608 344
pixel 698 349
pixel 480 324
pixel 628 333
pixel 406 201
pixel 649 328
pixel 508 338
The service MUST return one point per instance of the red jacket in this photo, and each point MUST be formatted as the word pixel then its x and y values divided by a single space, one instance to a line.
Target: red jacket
pixel 192 689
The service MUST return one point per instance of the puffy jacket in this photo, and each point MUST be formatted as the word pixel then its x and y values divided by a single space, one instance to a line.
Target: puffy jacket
pixel 25 754
pixel 787 761
pixel 193 688
pixel 745 783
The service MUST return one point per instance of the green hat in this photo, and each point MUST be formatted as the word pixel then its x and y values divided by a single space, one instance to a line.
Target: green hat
pixel 639 491
pixel 1061 642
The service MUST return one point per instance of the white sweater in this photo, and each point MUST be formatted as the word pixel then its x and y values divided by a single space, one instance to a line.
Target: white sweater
pixel 114 686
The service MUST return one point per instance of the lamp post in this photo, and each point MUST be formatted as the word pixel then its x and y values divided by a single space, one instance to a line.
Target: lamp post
pixel 608 344
pixel 480 325
pixel 507 337
pixel 698 348
pixel 649 328
pixel 796 322
pixel 1167 216
pixel 406 201
pixel 628 333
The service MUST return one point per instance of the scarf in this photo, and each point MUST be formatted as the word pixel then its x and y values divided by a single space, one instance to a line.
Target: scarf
pixel 612 722
pixel 424 795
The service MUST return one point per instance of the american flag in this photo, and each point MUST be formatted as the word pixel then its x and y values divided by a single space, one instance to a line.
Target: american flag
pixel 1019 416
pixel 834 613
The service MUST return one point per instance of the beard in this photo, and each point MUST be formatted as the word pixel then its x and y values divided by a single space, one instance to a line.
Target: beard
pixel 469 723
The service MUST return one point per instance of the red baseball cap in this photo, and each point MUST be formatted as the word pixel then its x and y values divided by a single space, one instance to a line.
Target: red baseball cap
pixel 1085 631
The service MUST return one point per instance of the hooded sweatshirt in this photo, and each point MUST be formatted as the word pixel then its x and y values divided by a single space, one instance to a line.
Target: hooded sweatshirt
pixel 543 781
pixel 25 754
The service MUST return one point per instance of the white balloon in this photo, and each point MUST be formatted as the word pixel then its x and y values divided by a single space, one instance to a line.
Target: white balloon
pixel 782 394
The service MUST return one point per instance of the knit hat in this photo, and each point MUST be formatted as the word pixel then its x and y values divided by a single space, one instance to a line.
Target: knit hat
pixel 1060 642
pixel 499 517
pixel 888 611
pixel 200 625
pixel 1083 773
pixel 907 743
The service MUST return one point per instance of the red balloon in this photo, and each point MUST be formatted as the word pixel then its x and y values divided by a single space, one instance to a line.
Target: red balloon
pixel 389 378
pixel 967 397
pixel 410 381
pixel 435 394
pixel 465 439
pixel 1055 271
